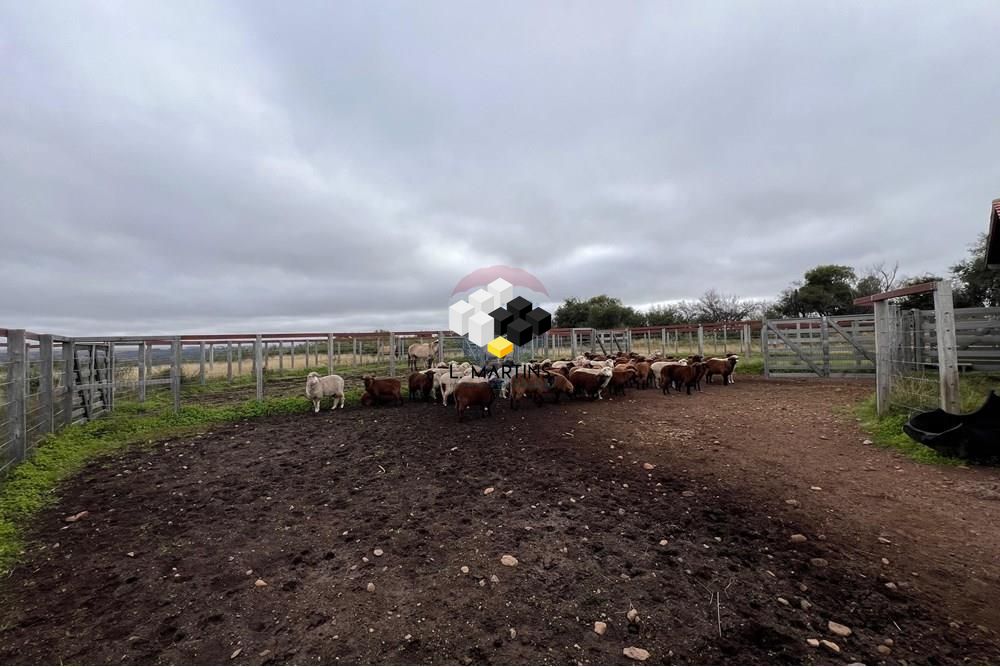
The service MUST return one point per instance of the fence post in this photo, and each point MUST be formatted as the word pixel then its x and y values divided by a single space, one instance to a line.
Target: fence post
pixel 211 356
pixel 572 345
pixel 883 372
pixel 258 351
pixel 701 340
pixel 918 336
pixel 392 355
pixel 16 376
pixel 440 347
pixel 944 321
pixel 763 347
pixel 824 338
pixel 329 354
pixel 141 354
pixel 175 372
pixel 69 381
pixel 46 390
pixel 201 362
pixel 229 361
pixel 112 371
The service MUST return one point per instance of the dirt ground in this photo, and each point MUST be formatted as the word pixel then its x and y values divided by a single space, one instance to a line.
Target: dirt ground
pixel 165 567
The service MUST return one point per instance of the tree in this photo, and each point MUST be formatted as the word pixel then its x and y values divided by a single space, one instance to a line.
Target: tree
pixel 572 313
pixel 716 307
pixel 828 289
pixel 979 285
pixel 598 312
pixel 877 278
pixel 658 316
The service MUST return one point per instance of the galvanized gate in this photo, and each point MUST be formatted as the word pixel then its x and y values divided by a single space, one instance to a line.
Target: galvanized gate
pixel 93 393
pixel 821 346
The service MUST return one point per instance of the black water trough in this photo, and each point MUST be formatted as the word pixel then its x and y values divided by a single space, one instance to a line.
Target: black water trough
pixel 974 436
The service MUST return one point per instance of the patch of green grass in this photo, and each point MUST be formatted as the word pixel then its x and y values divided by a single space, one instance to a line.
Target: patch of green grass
pixel 750 366
pixel 887 431
pixel 916 392
pixel 33 485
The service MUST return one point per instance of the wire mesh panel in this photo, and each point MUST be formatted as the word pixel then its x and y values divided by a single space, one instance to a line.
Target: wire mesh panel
pixel 7 406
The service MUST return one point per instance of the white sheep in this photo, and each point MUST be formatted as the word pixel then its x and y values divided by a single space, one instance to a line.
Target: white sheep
pixel 447 381
pixel 318 387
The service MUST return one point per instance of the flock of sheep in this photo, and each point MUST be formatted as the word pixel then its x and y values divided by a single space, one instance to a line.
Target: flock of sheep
pixel 588 375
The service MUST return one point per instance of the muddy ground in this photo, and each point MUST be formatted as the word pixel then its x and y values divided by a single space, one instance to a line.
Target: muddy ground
pixel 165 567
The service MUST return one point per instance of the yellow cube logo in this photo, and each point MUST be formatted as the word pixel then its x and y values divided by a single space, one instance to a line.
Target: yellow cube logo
pixel 500 347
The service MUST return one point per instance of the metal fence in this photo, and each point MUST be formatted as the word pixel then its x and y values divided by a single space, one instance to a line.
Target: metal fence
pixel 48 382
pixel 822 346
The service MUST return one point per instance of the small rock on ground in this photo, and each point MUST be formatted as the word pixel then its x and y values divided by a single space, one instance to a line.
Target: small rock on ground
pixel 813 642
pixel 488 490
pixel 508 560
pixel 819 562
pixel 829 645
pixel 260 583
pixel 636 653
pixel 600 627
pixel 370 587
pixel 839 629
pixel 883 649
pixel 378 552
pixel 799 538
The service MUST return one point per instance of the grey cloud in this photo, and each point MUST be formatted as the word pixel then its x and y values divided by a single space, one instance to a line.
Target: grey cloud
pixel 183 166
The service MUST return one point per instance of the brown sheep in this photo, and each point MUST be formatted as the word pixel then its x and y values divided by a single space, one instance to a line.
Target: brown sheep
pixel 558 385
pixel 383 389
pixel 524 385
pixel 590 381
pixel 473 392
pixel 620 377
pixel 723 367
pixel 422 383
pixel 642 374
pixel 684 375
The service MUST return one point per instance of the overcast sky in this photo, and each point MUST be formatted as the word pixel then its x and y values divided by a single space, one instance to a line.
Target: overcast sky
pixel 183 167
